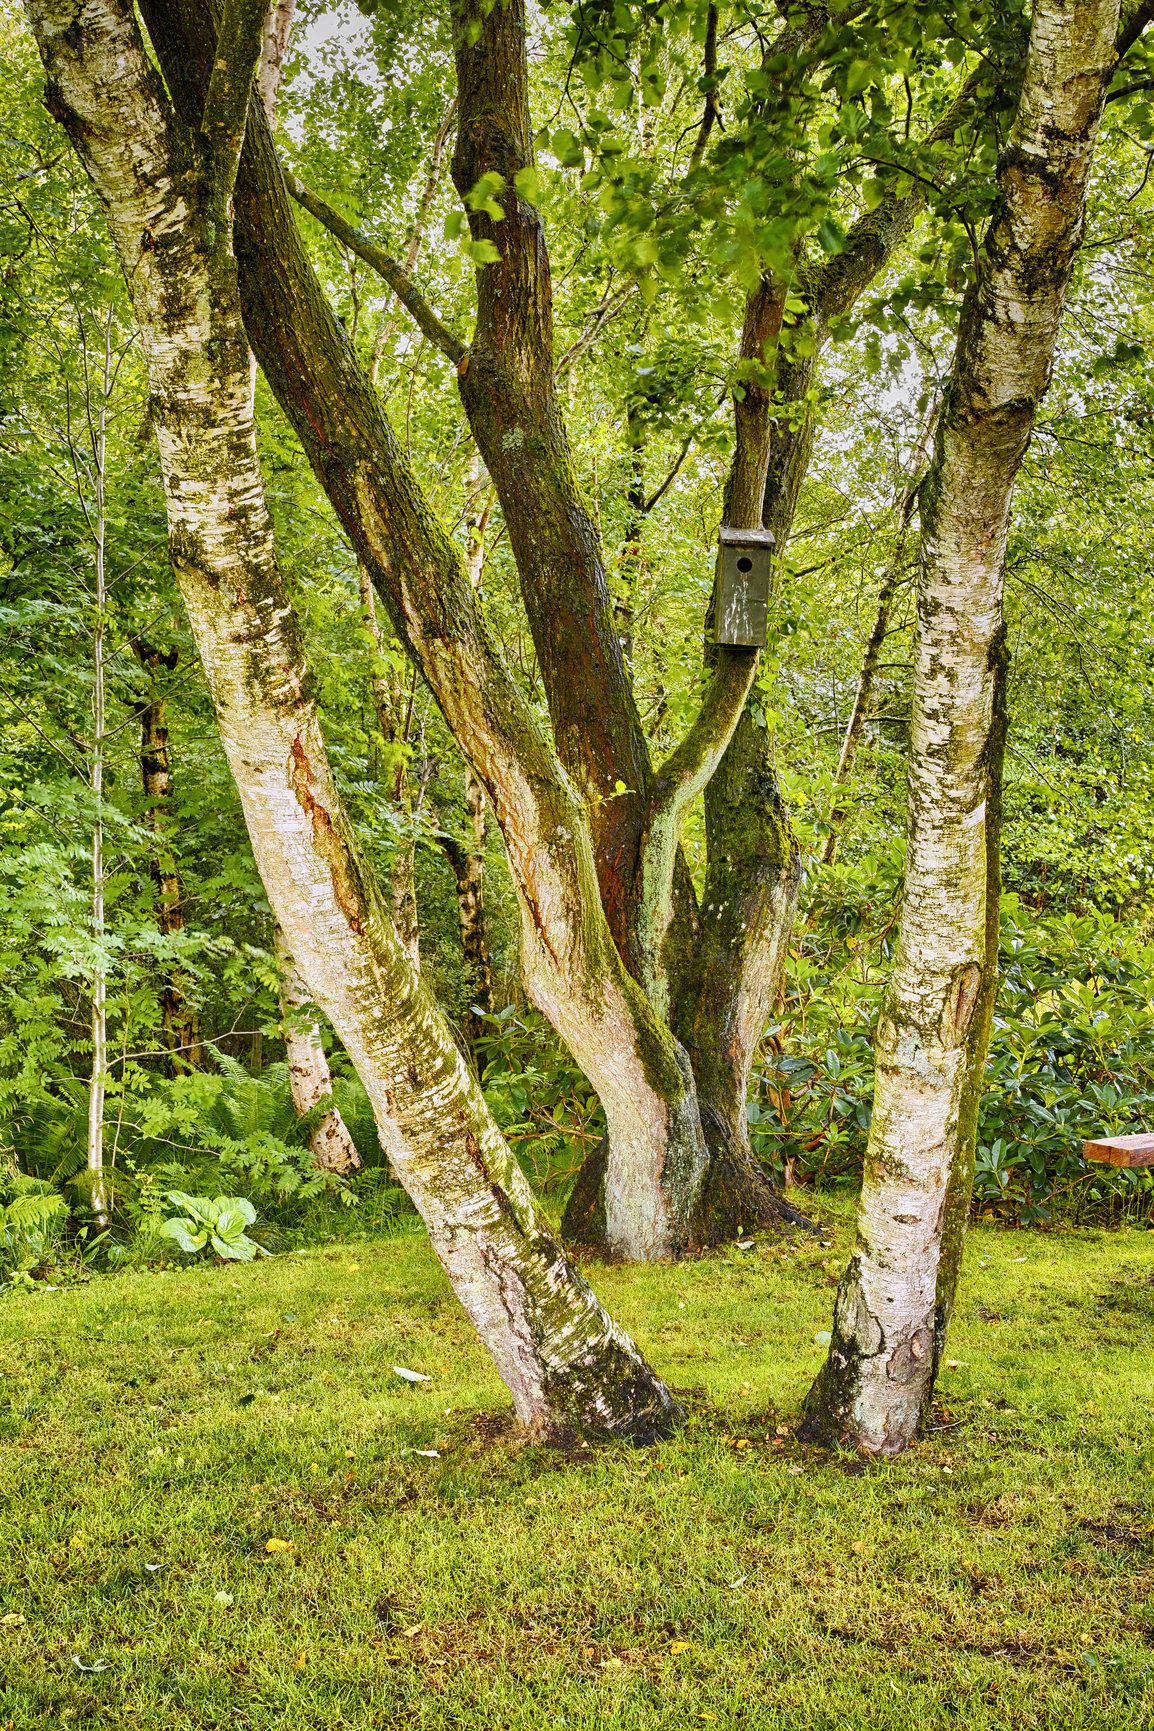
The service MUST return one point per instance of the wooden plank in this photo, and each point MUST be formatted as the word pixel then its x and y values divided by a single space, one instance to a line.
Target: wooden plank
pixel 1121 1150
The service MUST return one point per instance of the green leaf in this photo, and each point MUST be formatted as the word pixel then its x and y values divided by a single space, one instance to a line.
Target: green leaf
pixel 527 185
pixel 178 1231
pixel 235 1249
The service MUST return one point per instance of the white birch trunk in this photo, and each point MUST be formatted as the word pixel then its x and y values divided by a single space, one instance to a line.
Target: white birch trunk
pixel 878 1378
pixel 310 1079
pixel 100 1191
pixel 565 1362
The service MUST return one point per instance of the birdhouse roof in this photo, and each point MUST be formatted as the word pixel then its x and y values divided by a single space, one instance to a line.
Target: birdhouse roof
pixel 747 538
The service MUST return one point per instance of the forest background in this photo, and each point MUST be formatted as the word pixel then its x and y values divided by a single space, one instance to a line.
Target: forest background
pixel 110 732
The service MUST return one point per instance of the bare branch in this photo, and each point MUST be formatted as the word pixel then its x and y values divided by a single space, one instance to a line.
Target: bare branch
pixel 385 266
pixel 1131 89
pixel 607 308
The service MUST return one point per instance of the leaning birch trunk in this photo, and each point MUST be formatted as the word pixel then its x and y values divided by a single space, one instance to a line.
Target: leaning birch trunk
pixel 310 1080
pixel 877 1381
pixel 167 193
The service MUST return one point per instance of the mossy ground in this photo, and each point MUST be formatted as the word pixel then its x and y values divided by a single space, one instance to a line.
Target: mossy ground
pixel 159 1429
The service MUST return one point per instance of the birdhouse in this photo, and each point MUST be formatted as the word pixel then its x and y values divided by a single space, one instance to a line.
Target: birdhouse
pixel 743 587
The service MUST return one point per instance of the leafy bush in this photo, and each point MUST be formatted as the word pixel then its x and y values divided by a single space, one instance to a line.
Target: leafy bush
pixel 218 1221
pixel 544 1105
pixel 203 1133
pixel 1071 1056
pixel 31 1216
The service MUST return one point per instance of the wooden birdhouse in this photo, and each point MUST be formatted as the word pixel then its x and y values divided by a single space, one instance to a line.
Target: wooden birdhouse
pixel 743 587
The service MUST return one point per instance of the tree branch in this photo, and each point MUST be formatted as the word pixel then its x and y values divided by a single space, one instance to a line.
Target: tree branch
pixel 711 106
pixel 1131 89
pixel 238 52
pixel 1135 18
pixel 385 266
pixel 607 309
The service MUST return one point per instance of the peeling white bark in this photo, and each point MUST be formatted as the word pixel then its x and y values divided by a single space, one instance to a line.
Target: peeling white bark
pixel 878 1376
pixel 310 1079
pixel 277 31
pixel 563 1359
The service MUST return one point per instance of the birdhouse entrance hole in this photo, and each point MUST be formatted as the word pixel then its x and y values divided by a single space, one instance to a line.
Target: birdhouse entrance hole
pixel 743 573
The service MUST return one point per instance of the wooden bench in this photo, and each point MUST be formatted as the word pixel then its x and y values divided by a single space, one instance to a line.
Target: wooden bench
pixel 1121 1150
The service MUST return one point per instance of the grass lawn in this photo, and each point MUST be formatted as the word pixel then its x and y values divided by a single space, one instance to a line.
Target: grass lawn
pixel 157 1431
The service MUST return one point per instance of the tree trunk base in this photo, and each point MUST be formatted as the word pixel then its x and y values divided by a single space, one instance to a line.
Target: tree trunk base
pixel 736 1198
pixel 583 1223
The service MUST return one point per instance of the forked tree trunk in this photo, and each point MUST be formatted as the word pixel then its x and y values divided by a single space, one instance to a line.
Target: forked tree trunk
pixel 753 877
pixel 179 1018
pixel 168 198
pixel 572 971
pixel 310 1079
pixel 931 1040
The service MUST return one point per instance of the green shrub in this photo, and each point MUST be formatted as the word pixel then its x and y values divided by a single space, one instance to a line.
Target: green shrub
pixel 218 1222
pixel 1071 1057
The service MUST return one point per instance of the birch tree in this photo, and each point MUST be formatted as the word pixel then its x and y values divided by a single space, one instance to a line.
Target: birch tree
pixel 896 1295
pixel 167 187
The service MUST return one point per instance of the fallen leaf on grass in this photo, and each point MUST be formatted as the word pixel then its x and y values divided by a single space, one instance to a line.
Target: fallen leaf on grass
pixel 410 1375
pixel 858 1546
pixel 223 1598
pixel 413 1629
pixel 280 1544
pixel 612 1664
pixel 96 1665
pixel 13 1620
pixel 822 1337
pixel 680 1646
